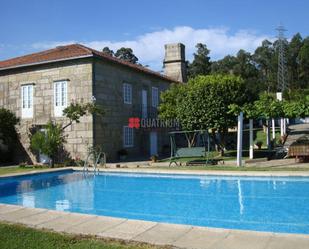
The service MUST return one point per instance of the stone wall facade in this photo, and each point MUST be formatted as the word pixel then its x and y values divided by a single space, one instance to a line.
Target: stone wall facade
pixel 78 74
pixel 108 90
pixel 86 78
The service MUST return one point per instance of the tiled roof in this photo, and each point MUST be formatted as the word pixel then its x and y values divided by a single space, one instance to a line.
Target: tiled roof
pixel 72 51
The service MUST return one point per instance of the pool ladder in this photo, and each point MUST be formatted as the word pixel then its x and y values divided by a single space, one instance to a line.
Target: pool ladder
pixel 101 160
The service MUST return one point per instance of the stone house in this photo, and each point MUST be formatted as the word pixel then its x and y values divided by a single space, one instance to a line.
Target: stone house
pixel 37 87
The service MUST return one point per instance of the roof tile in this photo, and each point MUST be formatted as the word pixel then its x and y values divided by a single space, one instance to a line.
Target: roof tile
pixel 68 52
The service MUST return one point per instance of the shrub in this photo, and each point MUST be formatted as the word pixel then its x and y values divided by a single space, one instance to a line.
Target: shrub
pixel 8 135
pixel 49 141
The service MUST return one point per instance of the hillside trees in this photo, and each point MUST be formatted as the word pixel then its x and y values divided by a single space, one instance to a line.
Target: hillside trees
pixel 201 64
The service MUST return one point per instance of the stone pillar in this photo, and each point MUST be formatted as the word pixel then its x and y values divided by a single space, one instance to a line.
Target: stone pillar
pixel 175 62
pixel 251 139
pixel 239 139
pixel 273 129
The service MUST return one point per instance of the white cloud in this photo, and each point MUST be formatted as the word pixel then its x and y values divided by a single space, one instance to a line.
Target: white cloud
pixel 149 47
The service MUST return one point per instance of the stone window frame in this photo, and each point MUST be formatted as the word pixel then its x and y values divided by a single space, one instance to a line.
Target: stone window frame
pixel 127 93
pixel 63 96
pixel 128 137
pixel 154 98
pixel 27 90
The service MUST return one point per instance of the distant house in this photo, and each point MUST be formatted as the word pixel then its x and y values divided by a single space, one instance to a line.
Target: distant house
pixel 37 87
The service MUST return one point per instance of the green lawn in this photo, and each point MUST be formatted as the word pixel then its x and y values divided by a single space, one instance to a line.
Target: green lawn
pixel 228 156
pixel 20 237
pixel 232 168
pixel 9 170
pixel 262 136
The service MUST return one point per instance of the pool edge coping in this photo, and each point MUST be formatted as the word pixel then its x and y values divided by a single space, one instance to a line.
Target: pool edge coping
pixel 58 215
pixel 286 173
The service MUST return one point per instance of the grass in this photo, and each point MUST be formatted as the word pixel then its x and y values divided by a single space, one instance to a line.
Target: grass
pixel 17 169
pixel 232 168
pixel 228 156
pixel 262 136
pixel 18 236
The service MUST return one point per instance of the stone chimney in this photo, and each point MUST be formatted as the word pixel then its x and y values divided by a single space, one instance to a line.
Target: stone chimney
pixel 174 62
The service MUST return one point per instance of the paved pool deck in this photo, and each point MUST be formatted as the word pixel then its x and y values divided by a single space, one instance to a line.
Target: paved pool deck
pixel 179 236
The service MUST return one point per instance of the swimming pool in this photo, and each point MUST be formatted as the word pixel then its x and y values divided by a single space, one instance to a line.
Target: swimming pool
pixel 275 204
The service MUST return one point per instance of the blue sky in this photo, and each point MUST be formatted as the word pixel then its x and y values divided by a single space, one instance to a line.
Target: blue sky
pixel 224 25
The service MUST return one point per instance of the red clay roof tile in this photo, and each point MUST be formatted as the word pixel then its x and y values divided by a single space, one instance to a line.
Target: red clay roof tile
pixel 68 52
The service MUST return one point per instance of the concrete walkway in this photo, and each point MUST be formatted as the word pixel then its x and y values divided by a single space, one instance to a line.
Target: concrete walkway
pixel 180 236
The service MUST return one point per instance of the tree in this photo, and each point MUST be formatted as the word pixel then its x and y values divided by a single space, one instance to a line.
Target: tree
pixel 108 51
pixel 246 69
pixel 240 65
pixel 303 58
pixel 201 64
pixel 296 108
pixel 76 110
pixel 266 62
pixel 8 134
pixel 126 54
pixel 203 103
pixel 224 66
pixel 293 50
pixel 50 141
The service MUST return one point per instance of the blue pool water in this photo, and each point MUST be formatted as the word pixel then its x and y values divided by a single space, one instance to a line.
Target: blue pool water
pixel 277 204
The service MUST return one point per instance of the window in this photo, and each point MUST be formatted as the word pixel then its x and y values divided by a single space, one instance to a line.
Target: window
pixel 27 101
pixel 144 104
pixel 127 136
pixel 60 97
pixel 155 97
pixel 127 93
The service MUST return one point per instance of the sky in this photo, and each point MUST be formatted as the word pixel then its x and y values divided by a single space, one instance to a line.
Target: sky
pixel 225 26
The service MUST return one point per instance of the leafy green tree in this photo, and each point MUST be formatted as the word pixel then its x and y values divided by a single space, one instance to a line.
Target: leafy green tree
pixel 224 66
pixel 8 134
pixel 293 61
pixel 126 54
pixel 296 108
pixel 201 64
pixel 203 103
pixel 268 107
pixel 49 141
pixel 108 51
pixel 241 65
pixel 77 110
pixel 303 58
pixel 170 100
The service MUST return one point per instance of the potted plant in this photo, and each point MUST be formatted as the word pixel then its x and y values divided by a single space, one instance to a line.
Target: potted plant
pixel 122 154
pixel 259 144
pixel 154 158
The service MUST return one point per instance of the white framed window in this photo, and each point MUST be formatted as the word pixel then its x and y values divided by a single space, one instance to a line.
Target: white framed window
pixel 128 140
pixel 27 101
pixel 127 93
pixel 155 96
pixel 60 97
